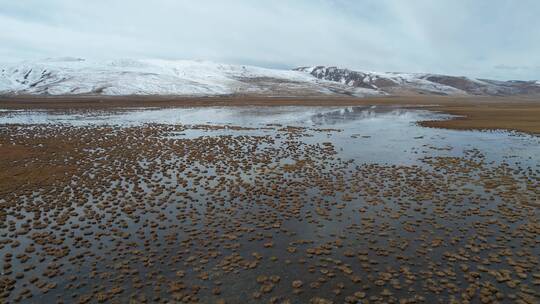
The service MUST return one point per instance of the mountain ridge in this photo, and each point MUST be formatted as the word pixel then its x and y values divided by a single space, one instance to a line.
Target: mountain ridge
pixel 424 83
pixel 125 77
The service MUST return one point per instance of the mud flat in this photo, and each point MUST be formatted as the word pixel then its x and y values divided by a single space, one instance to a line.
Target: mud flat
pixel 355 204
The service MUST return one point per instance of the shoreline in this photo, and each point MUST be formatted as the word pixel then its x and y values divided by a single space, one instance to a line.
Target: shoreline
pixel 473 113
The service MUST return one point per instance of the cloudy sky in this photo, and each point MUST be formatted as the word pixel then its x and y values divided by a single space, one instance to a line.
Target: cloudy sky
pixel 483 38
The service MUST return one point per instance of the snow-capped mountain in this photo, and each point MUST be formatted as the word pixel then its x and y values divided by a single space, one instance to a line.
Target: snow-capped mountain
pixel 70 76
pixel 75 76
pixel 407 83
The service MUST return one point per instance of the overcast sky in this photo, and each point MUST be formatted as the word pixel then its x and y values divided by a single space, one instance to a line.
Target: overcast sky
pixel 483 38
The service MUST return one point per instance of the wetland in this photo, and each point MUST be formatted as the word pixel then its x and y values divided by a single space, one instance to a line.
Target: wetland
pixel 258 204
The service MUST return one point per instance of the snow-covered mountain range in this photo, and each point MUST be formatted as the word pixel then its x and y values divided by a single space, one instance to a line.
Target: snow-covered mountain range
pixel 75 76
pixel 409 83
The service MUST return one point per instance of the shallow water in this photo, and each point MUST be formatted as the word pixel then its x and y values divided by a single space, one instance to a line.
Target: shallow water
pixel 240 116
pixel 206 204
pixel 384 134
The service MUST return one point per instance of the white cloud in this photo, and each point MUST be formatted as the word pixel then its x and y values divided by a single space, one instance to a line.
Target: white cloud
pixel 453 36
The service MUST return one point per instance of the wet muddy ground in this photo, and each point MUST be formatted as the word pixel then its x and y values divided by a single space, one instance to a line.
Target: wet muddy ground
pixel 265 205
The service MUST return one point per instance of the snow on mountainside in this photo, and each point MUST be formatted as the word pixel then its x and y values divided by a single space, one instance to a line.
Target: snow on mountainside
pixel 75 76
pixel 406 83
pixel 69 76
